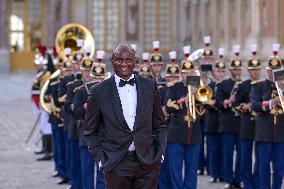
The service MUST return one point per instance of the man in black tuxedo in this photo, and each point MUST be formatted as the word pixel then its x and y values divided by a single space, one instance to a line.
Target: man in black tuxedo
pixel 125 127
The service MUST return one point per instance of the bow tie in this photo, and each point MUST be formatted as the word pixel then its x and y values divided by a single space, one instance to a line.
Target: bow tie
pixel 122 82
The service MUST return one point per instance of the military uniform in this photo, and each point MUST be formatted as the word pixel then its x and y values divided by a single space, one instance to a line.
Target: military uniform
pixel 172 70
pixel 97 70
pixel 229 121
pixel 144 68
pixel 247 124
pixel 73 125
pixel 183 138
pixel 57 130
pixel 269 130
pixel 45 126
pixel 207 59
pixel 73 133
pixel 61 93
pixel 157 59
pixel 213 136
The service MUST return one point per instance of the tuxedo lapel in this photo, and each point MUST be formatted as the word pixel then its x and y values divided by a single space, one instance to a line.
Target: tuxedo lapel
pixel 116 103
pixel 140 100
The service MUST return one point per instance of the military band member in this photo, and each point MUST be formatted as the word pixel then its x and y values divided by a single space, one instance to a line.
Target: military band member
pixel 37 84
pixel 247 119
pixel 207 60
pixel 157 65
pixel 67 76
pixel 92 75
pixel 230 121
pixel 73 129
pixel 184 135
pixel 172 76
pixel 45 126
pixel 213 136
pixel 269 130
pixel 36 81
pixel 145 69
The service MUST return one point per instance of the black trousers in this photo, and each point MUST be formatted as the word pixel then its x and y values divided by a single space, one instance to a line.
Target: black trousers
pixel 129 174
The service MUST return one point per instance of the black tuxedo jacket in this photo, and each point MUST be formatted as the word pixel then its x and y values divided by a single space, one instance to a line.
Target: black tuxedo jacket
pixel 107 133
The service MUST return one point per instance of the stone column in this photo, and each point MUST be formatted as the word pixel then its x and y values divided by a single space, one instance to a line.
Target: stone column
pixel 202 18
pixel 51 22
pixel 215 27
pixel 4 36
pixel 226 25
pixel 193 20
pixel 141 26
pixel 239 21
pixel 183 21
pixel 65 12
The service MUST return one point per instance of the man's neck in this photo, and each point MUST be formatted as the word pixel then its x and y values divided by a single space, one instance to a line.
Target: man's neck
pixel 125 78
pixel 236 78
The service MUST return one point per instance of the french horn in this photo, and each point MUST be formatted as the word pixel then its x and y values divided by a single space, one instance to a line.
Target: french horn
pixel 67 36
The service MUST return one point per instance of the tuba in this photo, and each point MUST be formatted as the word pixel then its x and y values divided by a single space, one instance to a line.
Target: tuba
pixel 67 36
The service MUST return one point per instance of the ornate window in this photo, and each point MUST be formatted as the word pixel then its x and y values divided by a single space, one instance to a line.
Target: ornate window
pixel 25 24
pixel 17 33
pixel 105 16
pixel 158 23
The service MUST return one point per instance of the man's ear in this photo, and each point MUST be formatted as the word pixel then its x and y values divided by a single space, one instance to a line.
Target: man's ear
pixel 111 60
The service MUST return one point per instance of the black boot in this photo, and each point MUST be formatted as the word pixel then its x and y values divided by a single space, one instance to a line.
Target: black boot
pixel 42 146
pixel 49 144
pixel 46 139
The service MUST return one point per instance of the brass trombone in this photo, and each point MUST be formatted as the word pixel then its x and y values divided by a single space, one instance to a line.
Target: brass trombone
pixel 202 93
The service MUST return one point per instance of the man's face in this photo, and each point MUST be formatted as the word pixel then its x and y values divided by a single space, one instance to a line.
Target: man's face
pixel 254 74
pixel 68 72
pixel 156 68
pixel 76 67
pixel 86 75
pixel 123 61
pixel 171 78
pixel 236 73
pixel 270 74
pixel 219 74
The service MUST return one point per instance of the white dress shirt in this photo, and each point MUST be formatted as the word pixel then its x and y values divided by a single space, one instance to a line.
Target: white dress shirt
pixel 128 99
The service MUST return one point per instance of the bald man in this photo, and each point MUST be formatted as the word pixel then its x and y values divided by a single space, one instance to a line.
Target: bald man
pixel 125 128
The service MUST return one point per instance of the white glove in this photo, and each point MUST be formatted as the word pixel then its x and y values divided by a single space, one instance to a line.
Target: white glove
pixel 163 158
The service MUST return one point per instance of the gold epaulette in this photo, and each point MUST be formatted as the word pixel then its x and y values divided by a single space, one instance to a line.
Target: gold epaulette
pixel 62 98
pixel 217 82
pixel 255 82
pixel 240 82
pixel 57 109
pixel 173 104
pixel 54 82
pixel 77 88
pixel 70 82
pixel 47 73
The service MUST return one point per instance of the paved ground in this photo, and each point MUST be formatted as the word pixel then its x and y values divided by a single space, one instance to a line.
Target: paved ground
pixel 18 168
